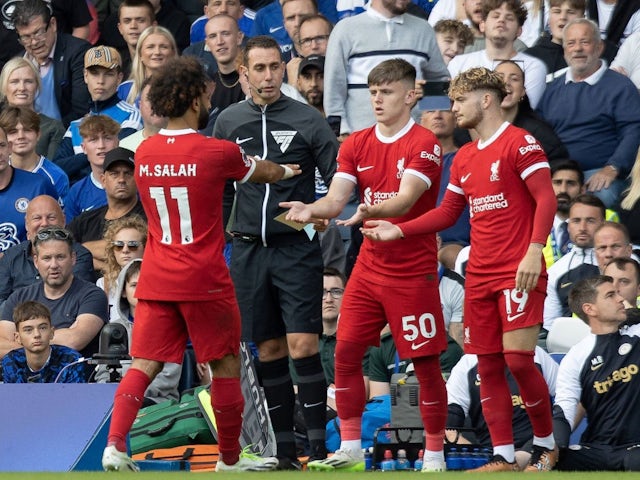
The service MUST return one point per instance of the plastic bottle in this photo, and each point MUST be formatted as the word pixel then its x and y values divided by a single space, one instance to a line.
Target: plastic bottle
pixel 478 459
pixel 417 465
pixel 368 458
pixel 454 462
pixel 388 463
pixel 402 463
pixel 466 459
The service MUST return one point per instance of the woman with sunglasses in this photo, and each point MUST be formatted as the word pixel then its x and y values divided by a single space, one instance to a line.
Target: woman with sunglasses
pixel 125 240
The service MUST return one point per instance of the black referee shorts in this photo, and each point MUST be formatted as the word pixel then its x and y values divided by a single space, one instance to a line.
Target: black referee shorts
pixel 279 289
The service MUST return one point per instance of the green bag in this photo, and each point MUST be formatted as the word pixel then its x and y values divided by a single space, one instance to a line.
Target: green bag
pixel 171 424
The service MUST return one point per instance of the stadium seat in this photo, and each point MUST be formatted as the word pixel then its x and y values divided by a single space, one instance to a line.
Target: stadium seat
pixel 565 333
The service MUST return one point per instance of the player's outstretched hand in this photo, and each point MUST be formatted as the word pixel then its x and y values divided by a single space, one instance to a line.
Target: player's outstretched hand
pixel 360 214
pixel 381 231
pixel 529 269
pixel 298 211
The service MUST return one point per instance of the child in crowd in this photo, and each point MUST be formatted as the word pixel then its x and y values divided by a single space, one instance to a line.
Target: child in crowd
pixel 39 361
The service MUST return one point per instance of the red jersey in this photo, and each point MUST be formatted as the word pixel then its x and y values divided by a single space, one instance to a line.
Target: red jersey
pixel 376 164
pixel 180 176
pixel 491 175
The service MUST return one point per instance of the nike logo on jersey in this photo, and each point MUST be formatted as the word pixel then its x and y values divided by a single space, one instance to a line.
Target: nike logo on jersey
pixel 363 169
pixel 596 367
pixel 275 29
pixel 511 318
pixel 427 404
pixel 531 405
pixel 419 345
pixel 464 178
pixel 565 285
pixel 240 141
pixel 307 405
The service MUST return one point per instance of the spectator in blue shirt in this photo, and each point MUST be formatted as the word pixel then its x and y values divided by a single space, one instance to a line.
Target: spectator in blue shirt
pixel 38 361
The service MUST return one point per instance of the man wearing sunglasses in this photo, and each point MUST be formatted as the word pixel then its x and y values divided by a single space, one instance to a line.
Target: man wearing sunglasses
pixel 122 201
pixel 78 308
pixel 17 268
pixel 59 58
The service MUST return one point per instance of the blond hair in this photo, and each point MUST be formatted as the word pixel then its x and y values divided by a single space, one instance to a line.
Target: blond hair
pixel 112 269
pixel 138 69
pixel 632 194
pixel 478 78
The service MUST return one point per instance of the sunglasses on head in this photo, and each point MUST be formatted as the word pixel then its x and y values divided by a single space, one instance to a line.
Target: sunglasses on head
pixel 133 245
pixel 53 232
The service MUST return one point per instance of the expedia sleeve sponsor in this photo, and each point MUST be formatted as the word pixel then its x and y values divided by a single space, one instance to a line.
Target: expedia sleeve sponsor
pixel 529 148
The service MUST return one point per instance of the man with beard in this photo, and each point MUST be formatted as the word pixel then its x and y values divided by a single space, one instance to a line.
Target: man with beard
pixel 311 81
pixel 184 290
pixel 359 43
pixel 504 178
pixel 567 180
pixel 586 214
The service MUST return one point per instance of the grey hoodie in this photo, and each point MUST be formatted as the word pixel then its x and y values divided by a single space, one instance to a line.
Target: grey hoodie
pixel 165 385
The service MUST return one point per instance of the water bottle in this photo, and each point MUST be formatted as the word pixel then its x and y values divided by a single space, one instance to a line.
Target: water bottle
pixel 454 462
pixel 478 459
pixel 402 463
pixel 486 456
pixel 388 464
pixel 466 459
pixel 368 458
pixel 417 465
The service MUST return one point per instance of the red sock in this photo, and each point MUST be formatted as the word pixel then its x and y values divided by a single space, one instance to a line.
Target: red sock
pixel 433 400
pixel 533 389
pixel 497 407
pixel 126 403
pixel 350 392
pixel 228 404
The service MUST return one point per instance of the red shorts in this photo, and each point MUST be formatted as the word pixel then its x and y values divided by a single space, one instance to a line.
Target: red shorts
pixel 161 329
pixel 492 307
pixel 411 307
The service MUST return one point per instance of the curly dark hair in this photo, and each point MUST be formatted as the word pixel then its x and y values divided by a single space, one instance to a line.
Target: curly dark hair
pixel 180 81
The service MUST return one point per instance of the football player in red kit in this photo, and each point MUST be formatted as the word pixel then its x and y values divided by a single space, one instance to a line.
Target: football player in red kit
pixel 396 166
pixel 184 289
pixel 504 178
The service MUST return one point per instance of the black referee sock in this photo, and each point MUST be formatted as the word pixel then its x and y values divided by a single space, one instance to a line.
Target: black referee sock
pixel 278 388
pixel 312 392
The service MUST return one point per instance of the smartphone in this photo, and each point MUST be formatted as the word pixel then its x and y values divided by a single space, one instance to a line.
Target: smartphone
pixel 435 89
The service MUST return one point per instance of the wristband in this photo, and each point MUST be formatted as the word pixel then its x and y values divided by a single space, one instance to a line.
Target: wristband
pixel 288 173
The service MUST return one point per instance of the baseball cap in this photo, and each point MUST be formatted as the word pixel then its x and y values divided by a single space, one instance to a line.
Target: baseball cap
pixel 118 154
pixel 439 102
pixel 312 61
pixel 102 56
